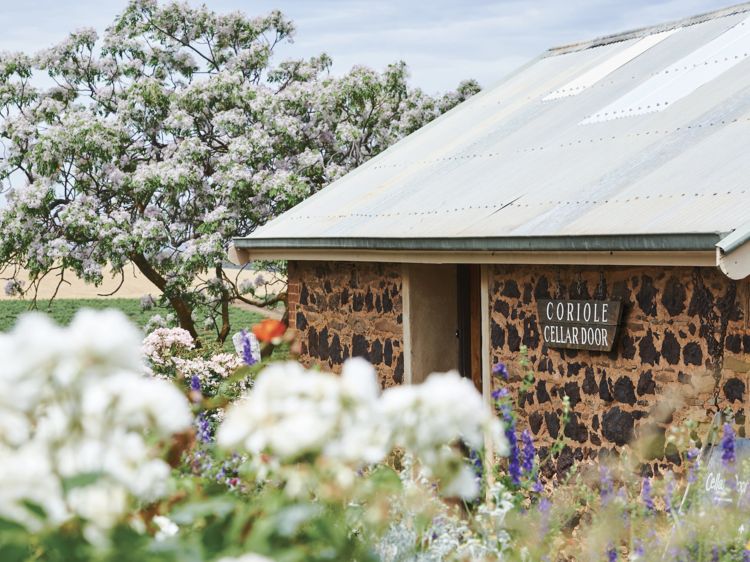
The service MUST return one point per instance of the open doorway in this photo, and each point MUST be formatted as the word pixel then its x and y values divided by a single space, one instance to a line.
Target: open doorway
pixel 429 320
pixel 469 331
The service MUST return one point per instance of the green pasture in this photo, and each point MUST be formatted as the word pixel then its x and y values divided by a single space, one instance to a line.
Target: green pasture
pixel 63 310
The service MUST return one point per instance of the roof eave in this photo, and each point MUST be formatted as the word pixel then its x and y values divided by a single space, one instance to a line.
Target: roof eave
pixel 667 242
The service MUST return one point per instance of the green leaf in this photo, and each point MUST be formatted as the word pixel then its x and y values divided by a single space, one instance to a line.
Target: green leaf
pixel 385 479
pixel 13 552
pixel 289 520
pixel 80 481
pixel 34 508
pixel 8 525
pixel 188 514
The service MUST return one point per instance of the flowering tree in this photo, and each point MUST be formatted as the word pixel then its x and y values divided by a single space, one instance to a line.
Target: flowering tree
pixel 170 135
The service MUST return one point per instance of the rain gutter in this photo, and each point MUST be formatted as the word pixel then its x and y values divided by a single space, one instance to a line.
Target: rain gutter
pixel 668 242
pixel 733 253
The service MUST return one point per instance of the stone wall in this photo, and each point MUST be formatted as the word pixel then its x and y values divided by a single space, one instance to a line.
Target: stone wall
pixel 349 309
pixel 659 373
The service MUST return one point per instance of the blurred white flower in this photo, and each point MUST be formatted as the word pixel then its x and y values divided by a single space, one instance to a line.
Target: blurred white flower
pixel 249 557
pixel 167 527
pixel 74 416
pixel 292 412
pixel 443 408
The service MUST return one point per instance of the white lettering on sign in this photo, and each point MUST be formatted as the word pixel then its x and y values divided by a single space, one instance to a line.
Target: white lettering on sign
pixel 579 324
pixel 716 483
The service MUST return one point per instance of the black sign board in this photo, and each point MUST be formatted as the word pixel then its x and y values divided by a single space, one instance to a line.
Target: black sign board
pixel 579 324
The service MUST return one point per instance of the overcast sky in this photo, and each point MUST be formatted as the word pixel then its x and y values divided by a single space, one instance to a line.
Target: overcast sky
pixel 442 41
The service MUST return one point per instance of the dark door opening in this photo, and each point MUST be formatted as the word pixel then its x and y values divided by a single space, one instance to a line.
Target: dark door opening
pixel 469 331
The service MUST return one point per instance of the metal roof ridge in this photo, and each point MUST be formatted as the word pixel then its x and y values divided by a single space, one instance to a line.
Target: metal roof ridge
pixel 648 30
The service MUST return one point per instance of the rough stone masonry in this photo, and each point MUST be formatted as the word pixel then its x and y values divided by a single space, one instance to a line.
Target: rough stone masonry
pixel 658 374
pixel 347 310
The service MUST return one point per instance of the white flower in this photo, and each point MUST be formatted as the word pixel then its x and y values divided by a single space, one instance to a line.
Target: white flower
pixel 74 411
pixel 438 411
pixel 290 411
pixel 248 557
pixel 167 527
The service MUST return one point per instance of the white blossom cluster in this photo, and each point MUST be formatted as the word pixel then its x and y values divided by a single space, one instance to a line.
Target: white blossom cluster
pixel 78 422
pixel 165 350
pixel 293 413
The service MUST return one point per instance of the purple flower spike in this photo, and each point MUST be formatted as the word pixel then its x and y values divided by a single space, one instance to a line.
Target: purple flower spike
pixel 514 464
pixel 669 495
pixel 499 369
pixel 606 481
pixel 648 497
pixel 544 505
pixel 611 553
pixel 203 429
pixel 195 383
pixel 528 451
pixel 728 458
pixel 247 349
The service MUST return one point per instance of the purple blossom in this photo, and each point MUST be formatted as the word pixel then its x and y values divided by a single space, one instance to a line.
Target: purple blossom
pixel 247 349
pixel 537 487
pixel 499 369
pixel 606 481
pixel 514 464
pixel 611 552
pixel 204 428
pixel 499 393
pixel 648 497
pixel 195 383
pixel 728 458
pixel 544 506
pixel 528 451
pixel 669 494
pixel 543 509
pixel 625 515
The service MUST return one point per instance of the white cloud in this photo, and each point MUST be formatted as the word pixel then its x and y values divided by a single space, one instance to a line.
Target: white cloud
pixel 442 41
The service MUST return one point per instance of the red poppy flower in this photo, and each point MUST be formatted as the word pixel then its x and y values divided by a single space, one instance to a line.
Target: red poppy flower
pixel 269 329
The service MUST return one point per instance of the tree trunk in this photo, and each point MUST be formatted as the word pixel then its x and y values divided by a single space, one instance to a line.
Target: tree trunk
pixel 224 309
pixel 184 313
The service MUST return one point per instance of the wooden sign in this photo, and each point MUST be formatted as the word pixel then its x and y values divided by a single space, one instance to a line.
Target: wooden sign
pixel 589 325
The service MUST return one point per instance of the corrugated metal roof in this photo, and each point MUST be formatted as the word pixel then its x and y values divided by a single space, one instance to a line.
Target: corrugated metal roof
pixel 507 164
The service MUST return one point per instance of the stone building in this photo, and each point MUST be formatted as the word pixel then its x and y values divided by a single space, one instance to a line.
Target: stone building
pixel 608 176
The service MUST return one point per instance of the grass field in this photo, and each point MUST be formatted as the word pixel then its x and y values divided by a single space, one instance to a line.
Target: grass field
pixel 63 310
